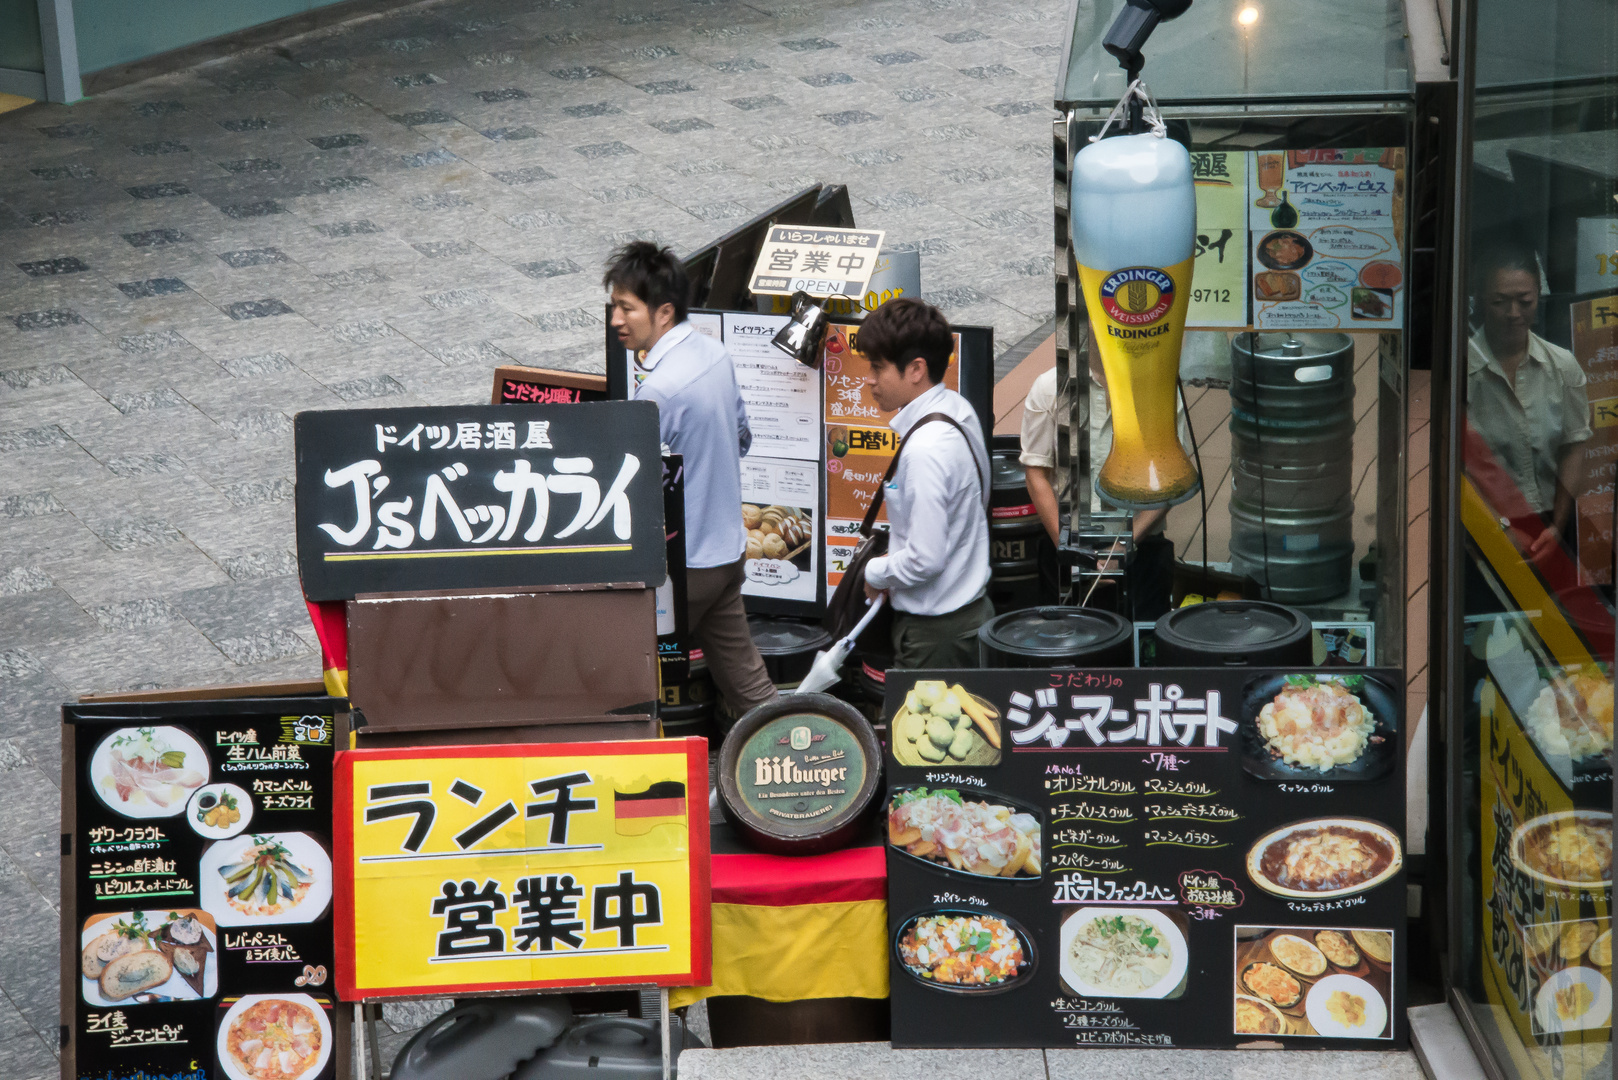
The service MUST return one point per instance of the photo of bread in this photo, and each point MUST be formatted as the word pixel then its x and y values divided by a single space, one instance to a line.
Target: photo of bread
pixel 779 532
pixel 138 957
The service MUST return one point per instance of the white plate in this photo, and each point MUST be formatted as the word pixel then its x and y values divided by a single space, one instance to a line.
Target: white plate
pixel 1178 956
pixel 1597 1015
pixel 1255 856
pixel 176 988
pixel 194 813
pixel 1376 1010
pixel 101 774
pixel 304 851
pixel 228 1063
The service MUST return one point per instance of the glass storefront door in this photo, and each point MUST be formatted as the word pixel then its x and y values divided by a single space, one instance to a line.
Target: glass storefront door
pixel 1532 446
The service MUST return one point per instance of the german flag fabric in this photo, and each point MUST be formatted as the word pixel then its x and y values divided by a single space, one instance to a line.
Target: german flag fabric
pixel 790 928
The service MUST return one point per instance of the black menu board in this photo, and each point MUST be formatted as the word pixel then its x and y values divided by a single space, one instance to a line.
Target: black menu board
pixel 1197 857
pixel 198 916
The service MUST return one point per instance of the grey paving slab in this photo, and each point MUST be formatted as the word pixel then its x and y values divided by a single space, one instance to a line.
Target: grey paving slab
pixel 382 211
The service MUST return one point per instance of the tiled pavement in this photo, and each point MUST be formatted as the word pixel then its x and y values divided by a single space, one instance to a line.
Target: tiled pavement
pixel 382 212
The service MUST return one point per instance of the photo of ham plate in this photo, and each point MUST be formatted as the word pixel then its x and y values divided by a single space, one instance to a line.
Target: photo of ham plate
pixel 148 772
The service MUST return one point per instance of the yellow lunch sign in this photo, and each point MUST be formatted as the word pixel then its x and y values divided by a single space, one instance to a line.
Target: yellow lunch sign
pixel 467 869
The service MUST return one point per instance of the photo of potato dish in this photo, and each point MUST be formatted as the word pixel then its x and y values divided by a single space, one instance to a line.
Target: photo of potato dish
pixel 940 723
pixel 974 951
pixel 1377 944
pixel 964 832
pixel 1336 948
pixel 1316 979
pixel 1255 1017
pixel 1573 999
pixel 1571 848
pixel 1571 718
pixel 1324 857
pixel 1122 952
pixel 1273 984
pixel 1285 250
pixel 1277 285
pixel 1298 955
pixel 1316 724
pixel 777 532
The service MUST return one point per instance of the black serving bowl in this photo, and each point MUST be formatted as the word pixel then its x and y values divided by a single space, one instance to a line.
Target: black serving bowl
pixel 972 795
pixel 1024 974
pixel 1374 763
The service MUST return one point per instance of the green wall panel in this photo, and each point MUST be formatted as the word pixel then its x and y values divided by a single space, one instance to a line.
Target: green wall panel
pixel 19 36
pixel 120 31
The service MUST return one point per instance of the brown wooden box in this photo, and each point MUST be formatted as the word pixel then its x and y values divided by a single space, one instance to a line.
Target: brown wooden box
pixel 561 657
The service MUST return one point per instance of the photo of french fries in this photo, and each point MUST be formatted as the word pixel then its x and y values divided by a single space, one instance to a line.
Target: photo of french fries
pixel 940 723
pixel 964 831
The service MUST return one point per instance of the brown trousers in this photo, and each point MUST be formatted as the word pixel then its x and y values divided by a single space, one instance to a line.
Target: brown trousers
pixel 713 601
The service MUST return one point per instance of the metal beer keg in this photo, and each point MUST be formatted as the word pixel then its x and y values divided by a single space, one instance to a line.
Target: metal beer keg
pixel 1292 450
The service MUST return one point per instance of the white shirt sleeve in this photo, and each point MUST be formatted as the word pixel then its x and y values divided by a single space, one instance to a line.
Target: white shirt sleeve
pixel 926 550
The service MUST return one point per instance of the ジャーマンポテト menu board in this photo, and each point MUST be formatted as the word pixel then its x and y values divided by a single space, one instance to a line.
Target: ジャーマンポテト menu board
pixel 1146 858
pixel 200 928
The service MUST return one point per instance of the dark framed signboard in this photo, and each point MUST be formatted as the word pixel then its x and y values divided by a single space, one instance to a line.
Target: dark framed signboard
pixel 478 496
pixel 1199 857
pixel 197 915
pixel 516 384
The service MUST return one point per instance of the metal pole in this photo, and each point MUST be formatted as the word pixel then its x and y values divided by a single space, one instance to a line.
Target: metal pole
pixel 371 1013
pixel 663 1020
pixel 359 1040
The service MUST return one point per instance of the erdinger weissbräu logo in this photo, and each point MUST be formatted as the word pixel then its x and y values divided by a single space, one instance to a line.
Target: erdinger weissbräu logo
pixel 1137 295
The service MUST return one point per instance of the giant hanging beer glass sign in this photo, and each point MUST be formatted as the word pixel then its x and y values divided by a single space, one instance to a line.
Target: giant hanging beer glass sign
pixel 1134 227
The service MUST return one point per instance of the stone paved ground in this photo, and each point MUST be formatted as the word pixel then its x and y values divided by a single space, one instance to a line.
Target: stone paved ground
pixel 380 213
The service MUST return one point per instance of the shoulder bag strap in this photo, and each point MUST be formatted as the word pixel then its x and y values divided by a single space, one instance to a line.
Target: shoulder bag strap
pixel 876 502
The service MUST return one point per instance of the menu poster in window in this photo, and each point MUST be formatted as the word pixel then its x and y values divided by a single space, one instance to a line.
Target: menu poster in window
pixel 1333 277
pixel 780 504
pixel 1595 347
pixel 1219 272
pixel 1146 858
pixel 200 921
pixel 1306 189
pixel 782 395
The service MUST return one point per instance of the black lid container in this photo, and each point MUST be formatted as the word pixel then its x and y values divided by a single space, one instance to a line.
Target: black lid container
pixel 1051 637
pixel 788 646
pixel 1234 633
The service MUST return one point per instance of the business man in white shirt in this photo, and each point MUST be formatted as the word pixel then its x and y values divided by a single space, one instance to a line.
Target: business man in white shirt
pixel 936 571
pixel 702 417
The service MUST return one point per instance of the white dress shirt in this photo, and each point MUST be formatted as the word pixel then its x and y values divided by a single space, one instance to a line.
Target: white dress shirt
pixel 701 415
pixel 1532 423
pixel 938 548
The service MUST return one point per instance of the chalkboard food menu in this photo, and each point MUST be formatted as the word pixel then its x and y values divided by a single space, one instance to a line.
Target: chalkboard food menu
pixel 199 935
pixel 1197 857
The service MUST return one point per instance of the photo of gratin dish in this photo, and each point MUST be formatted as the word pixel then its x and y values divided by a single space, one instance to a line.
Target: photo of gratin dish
pixel 1255 1016
pixel 969 832
pixel 1571 849
pixel 1323 858
pixel 1340 728
pixel 965 951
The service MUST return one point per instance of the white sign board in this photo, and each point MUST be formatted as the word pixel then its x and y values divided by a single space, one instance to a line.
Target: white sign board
pixel 821 262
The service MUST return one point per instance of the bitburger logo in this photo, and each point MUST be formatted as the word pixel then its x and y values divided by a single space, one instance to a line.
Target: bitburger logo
pixel 1137 295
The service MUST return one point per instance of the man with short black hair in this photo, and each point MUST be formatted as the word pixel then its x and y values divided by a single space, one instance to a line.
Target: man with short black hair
pixel 936 571
pixel 701 416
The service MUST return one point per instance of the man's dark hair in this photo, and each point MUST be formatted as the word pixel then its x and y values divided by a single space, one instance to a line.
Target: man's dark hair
pixel 1501 255
pixel 903 329
pixel 655 275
